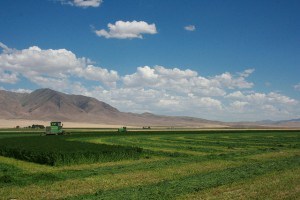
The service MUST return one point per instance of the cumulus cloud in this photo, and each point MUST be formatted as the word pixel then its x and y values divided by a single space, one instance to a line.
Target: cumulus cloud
pixel 259 106
pixel 190 28
pixel 8 77
pixel 157 101
pixel 208 103
pixel 238 106
pixel 82 3
pixel 263 98
pixel 21 90
pixel 246 73
pixel 127 30
pixel 184 81
pixel 4 47
pixel 46 67
pixel 91 72
pixel 297 87
pixel 234 81
pixel 157 89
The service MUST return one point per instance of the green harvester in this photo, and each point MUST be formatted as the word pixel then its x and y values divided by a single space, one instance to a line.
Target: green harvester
pixel 122 130
pixel 55 128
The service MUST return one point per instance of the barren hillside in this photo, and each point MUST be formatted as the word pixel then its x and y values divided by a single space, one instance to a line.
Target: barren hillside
pixel 47 104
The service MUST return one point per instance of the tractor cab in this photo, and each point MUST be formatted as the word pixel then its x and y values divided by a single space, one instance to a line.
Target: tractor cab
pixel 55 128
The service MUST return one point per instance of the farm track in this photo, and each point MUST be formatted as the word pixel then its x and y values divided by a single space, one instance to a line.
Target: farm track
pixel 186 166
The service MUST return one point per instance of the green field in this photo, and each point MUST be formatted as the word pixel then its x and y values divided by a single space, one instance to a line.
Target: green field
pixel 151 165
pixel 56 151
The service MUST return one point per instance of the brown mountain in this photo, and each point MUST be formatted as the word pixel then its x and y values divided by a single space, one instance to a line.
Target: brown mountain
pixel 10 106
pixel 47 104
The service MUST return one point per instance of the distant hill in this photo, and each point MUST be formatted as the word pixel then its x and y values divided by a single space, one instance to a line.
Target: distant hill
pixel 281 123
pixel 47 104
pixel 291 120
pixel 289 123
pixel 50 105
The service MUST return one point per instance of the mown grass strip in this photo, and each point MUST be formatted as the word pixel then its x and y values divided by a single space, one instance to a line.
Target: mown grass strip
pixel 155 149
pixel 169 189
pixel 240 143
pixel 110 181
pixel 29 171
pixel 28 167
pixel 148 144
pixel 226 153
pixel 31 168
pixel 154 176
pixel 13 176
pixel 275 186
pixel 206 145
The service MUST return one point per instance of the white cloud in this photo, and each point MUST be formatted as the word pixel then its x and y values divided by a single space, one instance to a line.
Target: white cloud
pixel 8 77
pixel 246 73
pixel 175 72
pixel 190 28
pixel 47 67
pixel 51 82
pixel 279 98
pixel 157 101
pixel 236 94
pixel 238 106
pixel 230 81
pixel 82 3
pixel 21 90
pixel 5 48
pixel 105 76
pixel 297 87
pixel 127 30
pixel 262 98
pixel 145 76
pixel 157 89
pixel 208 103
pixel 184 81
pixel 87 3
pixel 260 106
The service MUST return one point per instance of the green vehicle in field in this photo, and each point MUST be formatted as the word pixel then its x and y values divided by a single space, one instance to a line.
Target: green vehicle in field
pixel 122 130
pixel 55 128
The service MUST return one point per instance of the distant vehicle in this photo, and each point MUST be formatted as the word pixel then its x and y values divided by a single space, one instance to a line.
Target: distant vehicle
pixel 122 130
pixel 55 128
pixel 146 127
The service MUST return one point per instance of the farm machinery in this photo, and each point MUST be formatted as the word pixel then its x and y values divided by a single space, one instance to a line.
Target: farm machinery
pixel 55 128
pixel 122 130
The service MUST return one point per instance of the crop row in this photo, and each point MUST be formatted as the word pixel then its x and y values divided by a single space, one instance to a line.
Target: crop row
pixel 56 150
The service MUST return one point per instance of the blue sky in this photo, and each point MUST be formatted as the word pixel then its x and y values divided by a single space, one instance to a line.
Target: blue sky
pixel 223 60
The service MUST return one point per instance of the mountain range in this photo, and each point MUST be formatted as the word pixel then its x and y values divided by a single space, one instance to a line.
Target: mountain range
pixel 50 105
pixel 47 104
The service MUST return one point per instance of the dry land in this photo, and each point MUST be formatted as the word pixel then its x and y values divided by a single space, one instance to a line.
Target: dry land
pixel 11 123
pixel 253 164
